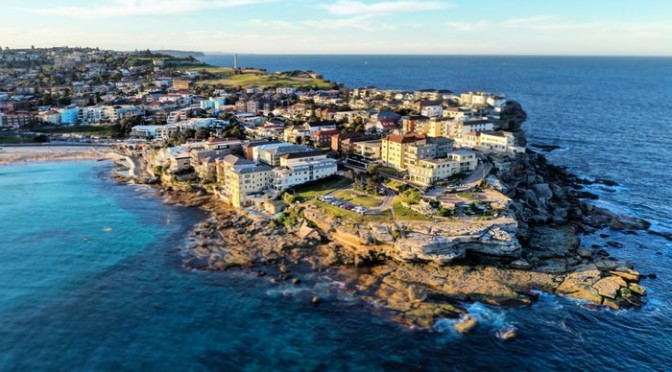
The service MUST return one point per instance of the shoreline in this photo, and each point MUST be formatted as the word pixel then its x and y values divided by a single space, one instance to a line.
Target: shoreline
pixel 46 152
pixel 418 293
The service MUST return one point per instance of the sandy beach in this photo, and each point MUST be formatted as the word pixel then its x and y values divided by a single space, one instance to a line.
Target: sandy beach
pixel 24 153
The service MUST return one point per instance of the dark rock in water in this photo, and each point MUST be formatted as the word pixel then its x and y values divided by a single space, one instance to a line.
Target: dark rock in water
pixel 653 276
pixel 614 244
pixel 546 148
pixel 604 235
pixel 585 195
pixel 603 253
pixel 605 182
pixel 667 236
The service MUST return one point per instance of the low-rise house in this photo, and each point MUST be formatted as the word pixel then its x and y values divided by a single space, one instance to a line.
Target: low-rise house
pixel 322 138
pixel 51 116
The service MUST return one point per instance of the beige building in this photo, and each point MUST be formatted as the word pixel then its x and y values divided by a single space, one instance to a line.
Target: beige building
pixel 240 178
pixel 428 171
pixel 369 149
pixel 401 152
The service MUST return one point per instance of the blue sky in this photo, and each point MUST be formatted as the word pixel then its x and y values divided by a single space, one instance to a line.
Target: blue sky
pixel 513 27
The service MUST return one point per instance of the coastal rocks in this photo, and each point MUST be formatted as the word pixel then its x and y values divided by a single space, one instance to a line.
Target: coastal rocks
pixel 520 264
pixel 579 284
pixel 491 242
pixel 416 293
pixel 549 242
pixel 466 324
pixel 610 286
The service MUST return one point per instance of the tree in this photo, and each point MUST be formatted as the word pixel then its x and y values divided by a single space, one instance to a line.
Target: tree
pixel 202 134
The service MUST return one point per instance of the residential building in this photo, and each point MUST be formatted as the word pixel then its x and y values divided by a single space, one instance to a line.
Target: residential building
pixel 428 171
pixel 50 116
pixel 69 115
pixel 241 178
pixel 271 155
pixel 414 123
pixel 401 152
pixel 368 149
pixel 181 84
pixel 322 138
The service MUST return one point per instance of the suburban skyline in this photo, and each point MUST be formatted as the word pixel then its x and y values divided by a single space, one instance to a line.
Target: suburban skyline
pixel 488 27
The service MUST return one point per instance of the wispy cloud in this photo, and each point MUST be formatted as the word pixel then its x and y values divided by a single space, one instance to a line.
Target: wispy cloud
pixel 361 22
pixel 346 7
pixel 536 23
pixel 125 8
pixel 470 26
pixel 529 20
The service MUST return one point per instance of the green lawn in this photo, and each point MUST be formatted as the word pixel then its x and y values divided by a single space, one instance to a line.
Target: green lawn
pixel 405 214
pixel 252 77
pixel 368 201
pixel 316 189
pixel 13 140
pixel 335 211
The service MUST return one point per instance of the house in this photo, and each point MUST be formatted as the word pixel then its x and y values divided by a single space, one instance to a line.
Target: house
pixel 322 138
pixel 248 148
pixel 51 116
pixel 386 125
pixel 431 109
pixel 338 138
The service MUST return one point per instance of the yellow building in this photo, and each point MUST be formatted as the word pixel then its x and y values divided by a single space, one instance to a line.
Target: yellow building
pixel 401 152
pixel 393 148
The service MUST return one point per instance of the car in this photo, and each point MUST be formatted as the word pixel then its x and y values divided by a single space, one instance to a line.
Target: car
pixel 348 206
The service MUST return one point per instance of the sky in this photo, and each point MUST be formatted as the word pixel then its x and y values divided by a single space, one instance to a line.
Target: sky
pixel 476 27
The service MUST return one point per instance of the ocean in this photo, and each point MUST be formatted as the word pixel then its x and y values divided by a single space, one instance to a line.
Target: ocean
pixel 91 274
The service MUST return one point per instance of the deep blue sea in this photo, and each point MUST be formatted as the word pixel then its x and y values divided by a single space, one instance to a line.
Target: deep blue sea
pixel 91 274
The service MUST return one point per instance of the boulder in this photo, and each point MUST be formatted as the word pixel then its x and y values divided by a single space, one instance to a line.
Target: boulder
pixel 548 242
pixel 520 264
pixel 629 275
pixel 637 289
pixel 466 324
pixel 584 252
pixel 416 293
pixel 610 286
pixel 543 191
pixel 579 284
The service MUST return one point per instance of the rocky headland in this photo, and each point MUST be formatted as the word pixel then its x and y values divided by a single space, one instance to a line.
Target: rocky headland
pixel 418 272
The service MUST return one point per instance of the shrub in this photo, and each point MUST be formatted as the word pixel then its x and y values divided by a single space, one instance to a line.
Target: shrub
pixel 411 196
